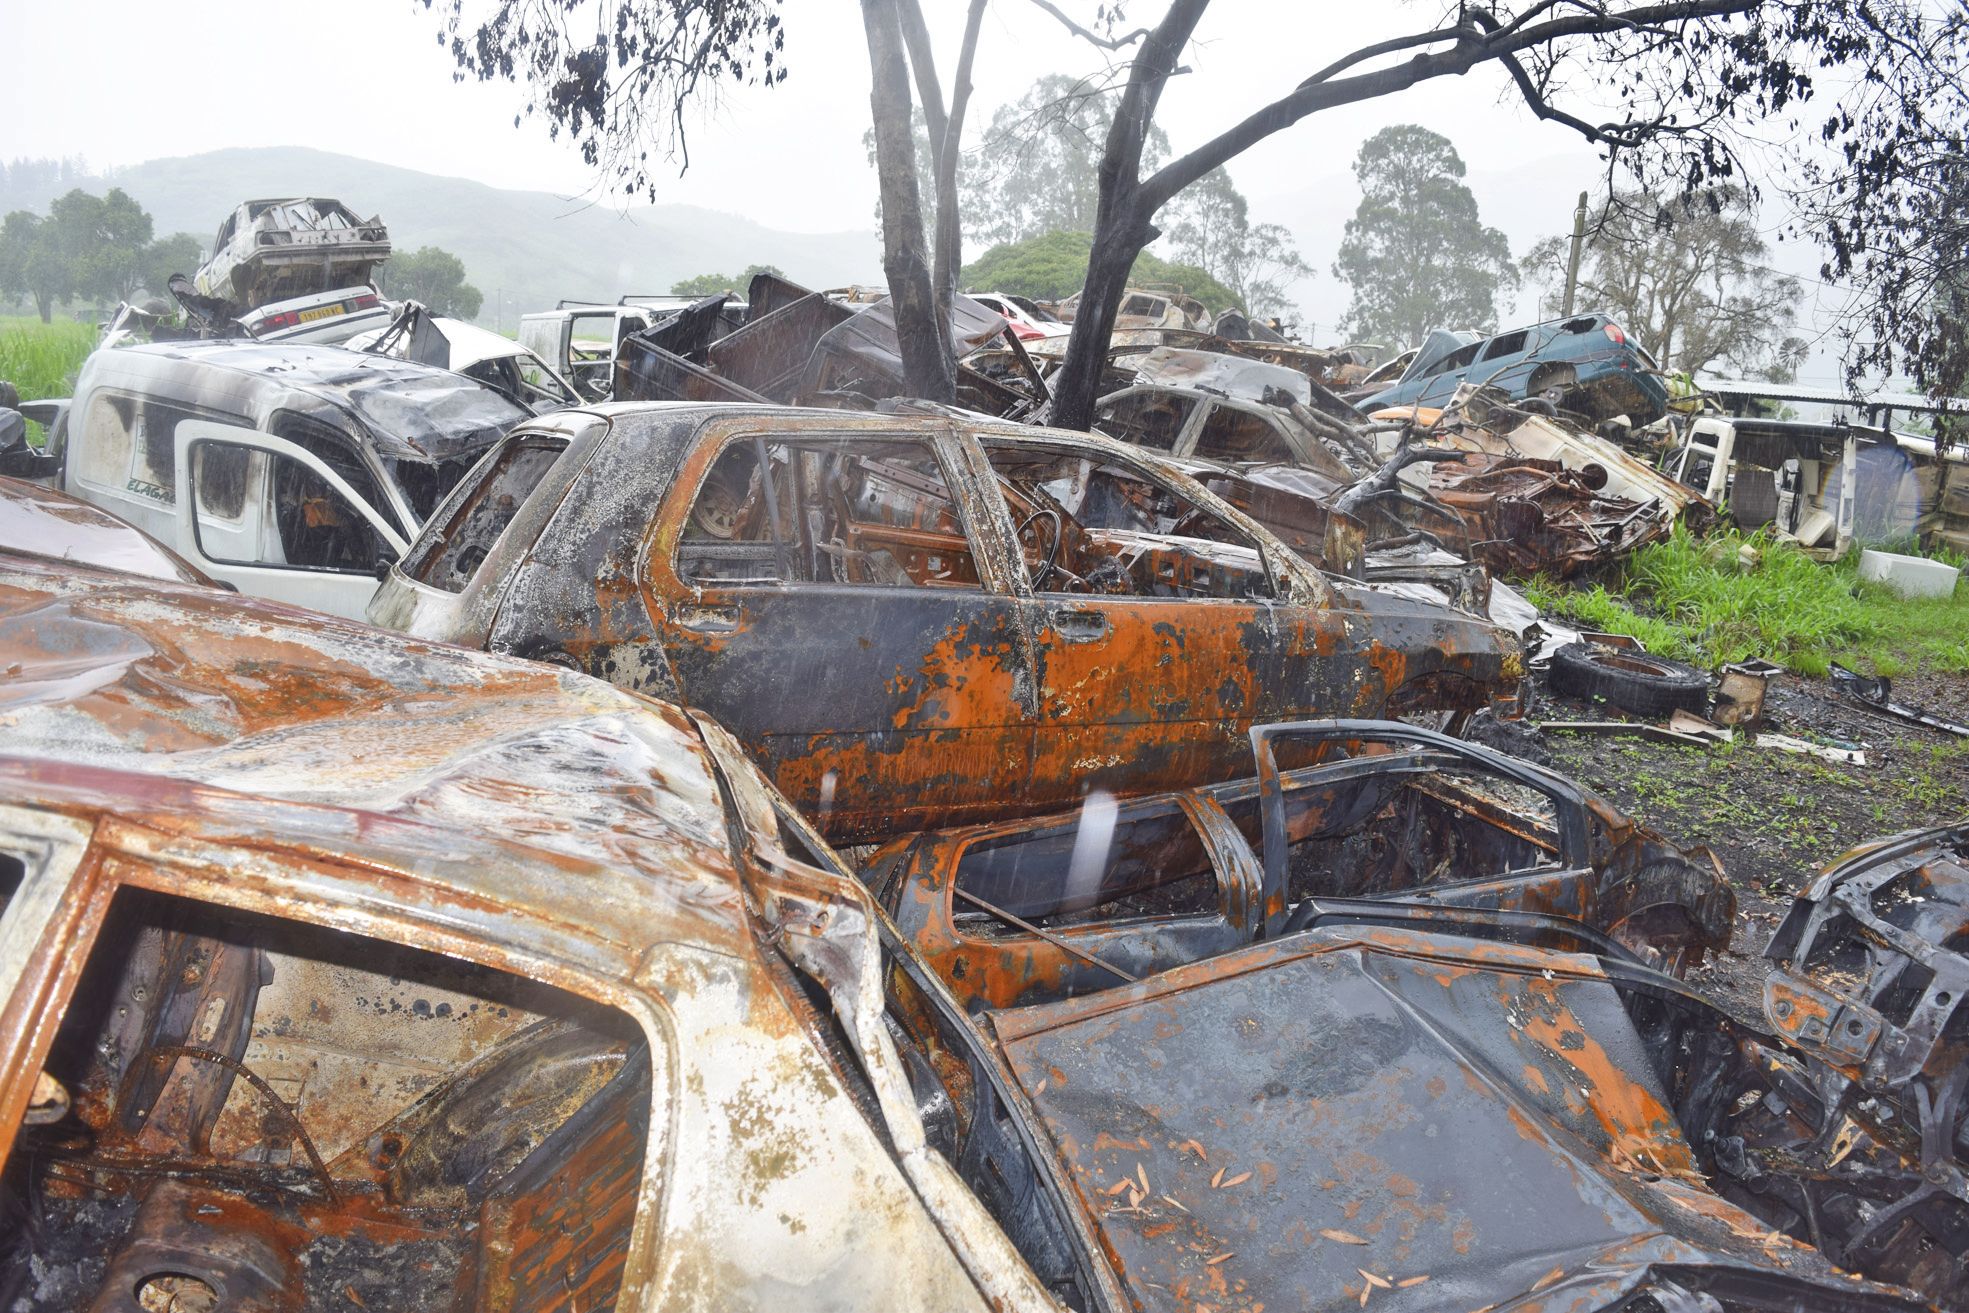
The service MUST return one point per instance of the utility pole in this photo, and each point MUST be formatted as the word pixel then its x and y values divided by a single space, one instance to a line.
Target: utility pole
pixel 1572 260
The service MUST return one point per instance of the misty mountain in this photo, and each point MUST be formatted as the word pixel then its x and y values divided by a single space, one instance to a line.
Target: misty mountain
pixel 529 248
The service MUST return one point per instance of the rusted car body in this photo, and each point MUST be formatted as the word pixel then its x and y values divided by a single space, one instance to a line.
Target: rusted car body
pixel 1409 1103
pixel 1025 912
pixel 343 970
pixel 1871 972
pixel 914 620
pixel 340 970
pixel 38 521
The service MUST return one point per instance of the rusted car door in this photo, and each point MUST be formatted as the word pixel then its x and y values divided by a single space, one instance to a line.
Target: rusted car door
pixel 1158 635
pixel 827 597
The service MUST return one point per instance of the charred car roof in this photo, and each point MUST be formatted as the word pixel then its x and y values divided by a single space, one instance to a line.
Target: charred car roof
pixel 411 412
pixel 494 782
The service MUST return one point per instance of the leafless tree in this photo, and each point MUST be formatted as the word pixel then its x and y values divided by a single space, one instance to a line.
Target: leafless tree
pixel 1693 76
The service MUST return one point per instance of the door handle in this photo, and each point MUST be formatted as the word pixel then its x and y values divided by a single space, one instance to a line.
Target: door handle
pixel 1080 626
pixel 712 619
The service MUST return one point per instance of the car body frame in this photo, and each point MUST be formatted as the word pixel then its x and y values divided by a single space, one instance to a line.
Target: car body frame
pixel 897 623
pixel 1585 363
pixel 277 249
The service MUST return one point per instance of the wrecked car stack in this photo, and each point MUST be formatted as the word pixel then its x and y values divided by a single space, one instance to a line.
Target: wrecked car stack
pixel 550 992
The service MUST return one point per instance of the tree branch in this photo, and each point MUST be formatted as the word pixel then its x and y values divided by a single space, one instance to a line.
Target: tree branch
pixel 1469 50
pixel 1105 43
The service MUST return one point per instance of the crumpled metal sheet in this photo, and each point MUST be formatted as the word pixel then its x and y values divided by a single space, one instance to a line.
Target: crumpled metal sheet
pixel 1401 1121
pixel 1213 371
pixel 1529 516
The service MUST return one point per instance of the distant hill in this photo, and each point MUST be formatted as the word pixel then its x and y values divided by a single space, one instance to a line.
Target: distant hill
pixel 534 247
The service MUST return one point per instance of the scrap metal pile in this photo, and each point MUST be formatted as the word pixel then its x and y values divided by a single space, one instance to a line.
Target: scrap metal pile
pixel 1257 422
pixel 494 953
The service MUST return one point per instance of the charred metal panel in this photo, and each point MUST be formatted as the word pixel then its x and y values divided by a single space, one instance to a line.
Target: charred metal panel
pixel 1292 1127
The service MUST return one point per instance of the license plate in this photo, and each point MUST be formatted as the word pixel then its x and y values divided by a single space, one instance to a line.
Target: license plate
pixel 320 312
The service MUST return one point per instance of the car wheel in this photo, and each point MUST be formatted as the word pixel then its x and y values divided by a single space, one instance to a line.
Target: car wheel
pixel 1635 682
pixel 1554 384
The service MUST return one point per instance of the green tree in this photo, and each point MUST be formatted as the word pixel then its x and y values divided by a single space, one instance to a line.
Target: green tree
pixel 103 239
pixel 1415 253
pixel 176 254
pixel 712 284
pixel 436 278
pixel 1035 169
pixel 1209 226
pixel 32 262
pixel 1687 280
pixel 1052 266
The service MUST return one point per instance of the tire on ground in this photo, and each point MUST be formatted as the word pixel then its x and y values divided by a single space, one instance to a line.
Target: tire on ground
pixel 1637 683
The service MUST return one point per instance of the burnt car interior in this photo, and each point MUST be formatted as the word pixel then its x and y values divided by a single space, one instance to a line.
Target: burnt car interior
pixel 449 559
pixel 240 1111
pixel 1394 831
pixel 1092 526
pixel 827 511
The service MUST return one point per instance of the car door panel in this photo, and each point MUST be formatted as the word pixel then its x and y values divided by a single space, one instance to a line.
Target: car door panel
pixel 877 704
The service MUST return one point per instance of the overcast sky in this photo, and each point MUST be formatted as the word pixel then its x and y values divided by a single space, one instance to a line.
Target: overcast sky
pixel 122 81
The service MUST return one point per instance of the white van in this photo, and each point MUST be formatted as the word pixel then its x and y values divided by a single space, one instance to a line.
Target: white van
pixel 290 471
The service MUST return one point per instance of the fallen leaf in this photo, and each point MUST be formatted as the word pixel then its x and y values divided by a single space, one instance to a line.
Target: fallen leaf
pixel 1239 1179
pixel 1218 1179
pixel 1134 1196
pixel 1039 1089
pixel 1195 1148
pixel 1342 1237
pixel 1123 1184
pixel 1141 1172
pixel 1380 1283
pixel 1212 1262
pixel 1173 1203
pixel 1365 1292
pixel 1406 1282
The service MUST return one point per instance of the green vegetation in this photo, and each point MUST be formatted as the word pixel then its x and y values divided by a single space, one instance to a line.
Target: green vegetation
pixel 41 359
pixel 1692 599
pixel 96 247
pixel 712 284
pixel 1054 265
pixel 434 278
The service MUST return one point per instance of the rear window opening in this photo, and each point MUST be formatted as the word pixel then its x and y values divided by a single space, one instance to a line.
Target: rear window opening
pixel 264 1113
pixel 1431 823
pixel 451 558
pixel 1148 862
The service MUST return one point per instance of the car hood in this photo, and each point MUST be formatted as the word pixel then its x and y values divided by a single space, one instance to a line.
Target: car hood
pixel 1398 1120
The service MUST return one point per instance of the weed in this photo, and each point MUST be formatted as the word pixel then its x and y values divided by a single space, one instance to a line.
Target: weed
pixel 1694 600
pixel 41 360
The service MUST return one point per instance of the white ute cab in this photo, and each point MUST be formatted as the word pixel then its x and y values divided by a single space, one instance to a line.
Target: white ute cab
pixel 289 471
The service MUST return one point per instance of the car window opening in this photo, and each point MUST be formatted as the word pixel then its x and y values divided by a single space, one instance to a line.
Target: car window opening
pixel 827 512
pixel 1088 526
pixel 451 559
pixel 1154 864
pixel 414 1127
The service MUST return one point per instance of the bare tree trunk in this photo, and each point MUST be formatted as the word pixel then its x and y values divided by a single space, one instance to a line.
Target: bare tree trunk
pixel 1078 385
pixel 46 305
pixel 928 370
pixel 1122 224
pixel 950 233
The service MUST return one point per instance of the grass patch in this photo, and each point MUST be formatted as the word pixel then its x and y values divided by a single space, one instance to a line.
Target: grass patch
pixel 1692 599
pixel 42 359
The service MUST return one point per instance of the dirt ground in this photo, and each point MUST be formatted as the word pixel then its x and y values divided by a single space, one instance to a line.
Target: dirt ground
pixel 1777 818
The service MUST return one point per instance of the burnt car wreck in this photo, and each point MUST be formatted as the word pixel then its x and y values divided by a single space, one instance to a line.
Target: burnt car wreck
pixel 555 1002
pixel 982 619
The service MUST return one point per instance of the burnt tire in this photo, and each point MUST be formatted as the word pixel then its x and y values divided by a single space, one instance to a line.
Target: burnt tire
pixel 1637 683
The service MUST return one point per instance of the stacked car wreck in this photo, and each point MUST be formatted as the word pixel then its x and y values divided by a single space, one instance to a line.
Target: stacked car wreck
pixel 1189 957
